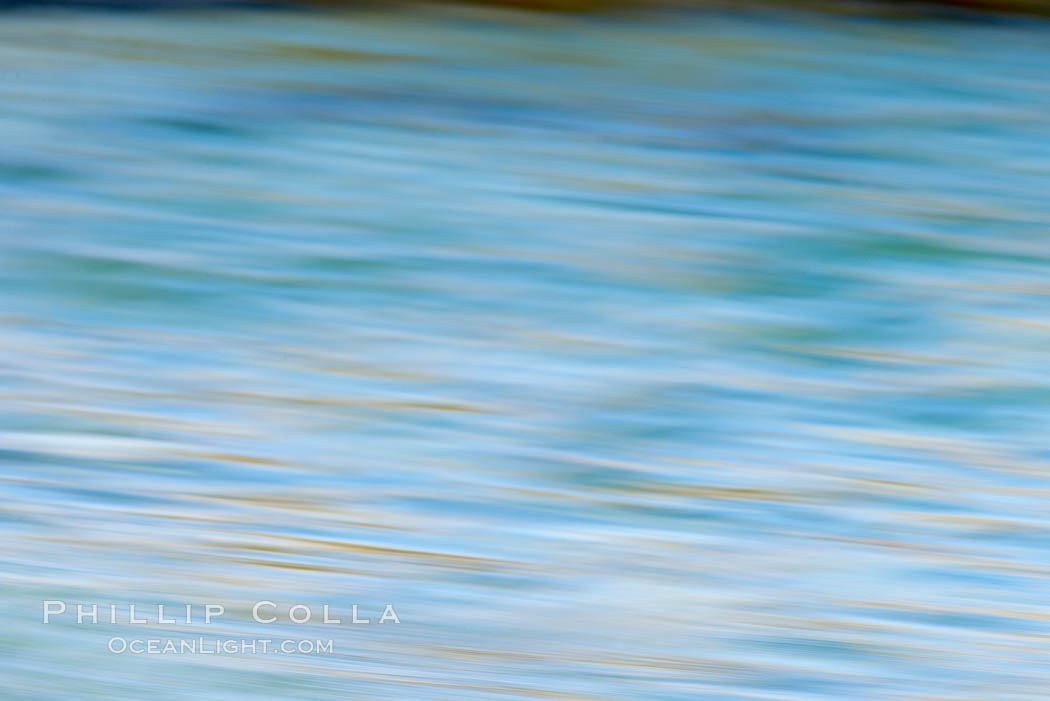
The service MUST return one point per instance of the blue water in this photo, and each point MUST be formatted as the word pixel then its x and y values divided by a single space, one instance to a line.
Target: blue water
pixel 696 356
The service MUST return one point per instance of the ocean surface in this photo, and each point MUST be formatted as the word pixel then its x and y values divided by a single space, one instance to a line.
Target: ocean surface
pixel 658 356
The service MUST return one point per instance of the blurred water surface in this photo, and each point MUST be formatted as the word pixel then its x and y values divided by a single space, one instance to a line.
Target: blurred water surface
pixel 694 356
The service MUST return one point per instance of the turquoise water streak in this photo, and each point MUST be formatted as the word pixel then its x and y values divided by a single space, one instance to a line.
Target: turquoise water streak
pixel 679 357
